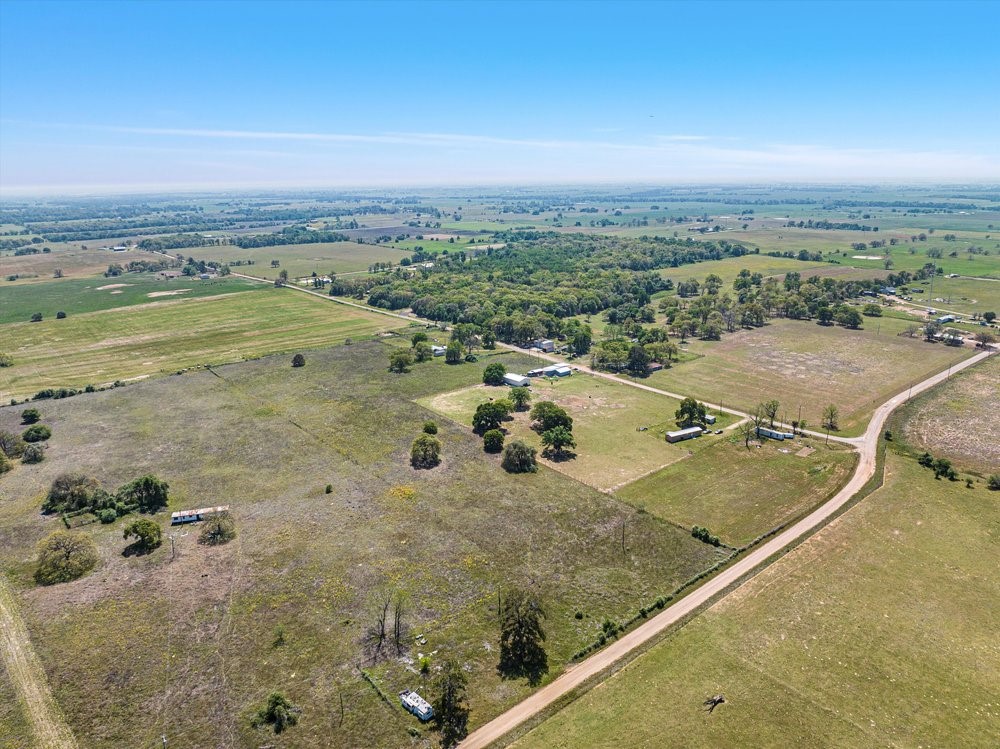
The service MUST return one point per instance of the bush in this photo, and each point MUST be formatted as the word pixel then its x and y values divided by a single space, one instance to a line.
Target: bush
pixel 4 464
pixel 704 535
pixel 11 444
pixel 65 556
pixel 147 492
pixel 493 441
pixel 278 712
pixel 425 452
pixel 423 352
pixel 520 397
pixel 107 515
pixel 519 458
pixel 60 315
pixel 418 337
pixel 36 433
pixel 298 360
pixel 30 416
pixel 494 373
pixel 400 361
pixel 430 427
pixel 69 492
pixel 993 482
pixel 33 454
pixel 218 529
pixel 6 360
pixel 36 317
pixel 329 489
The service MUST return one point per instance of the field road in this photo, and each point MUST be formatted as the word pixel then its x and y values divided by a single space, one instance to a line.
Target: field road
pixel 495 730
pixel 28 677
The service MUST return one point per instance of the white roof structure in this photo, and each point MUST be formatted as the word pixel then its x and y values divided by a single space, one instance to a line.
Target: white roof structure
pixel 516 380
pixel 416 704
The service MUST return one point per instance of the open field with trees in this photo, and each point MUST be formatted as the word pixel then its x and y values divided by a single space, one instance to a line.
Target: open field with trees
pixel 302 259
pixel 194 645
pixel 860 636
pixel 958 419
pixel 812 366
pixel 607 417
pixel 69 258
pixel 75 296
pixel 162 337
pixel 739 494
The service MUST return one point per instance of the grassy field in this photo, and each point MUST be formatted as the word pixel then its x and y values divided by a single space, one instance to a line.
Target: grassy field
pixel 162 337
pixel 302 259
pixel 730 267
pixel 611 451
pixel 75 296
pixel 878 631
pixel 71 259
pixel 959 419
pixel 739 494
pixel 149 645
pixel 802 363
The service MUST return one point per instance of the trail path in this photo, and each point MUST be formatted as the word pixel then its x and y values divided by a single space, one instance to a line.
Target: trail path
pixel 47 725
pixel 576 675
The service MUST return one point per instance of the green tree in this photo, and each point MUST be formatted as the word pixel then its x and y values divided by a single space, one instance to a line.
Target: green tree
pixel 872 310
pixel 494 373
pixel 36 317
pixel 638 358
pixel 557 440
pixel 489 339
pixel 418 337
pixel 30 416
pixel 546 415
pixel 36 433
pixel 453 355
pixel 298 360
pixel 147 493
pixel 993 482
pixel 987 316
pixel 148 535
pixel 520 397
pixel 831 416
pixel 850 318
pixel 493 441
pixel 11 444
pixel 400 361
pixel 521 637
pixel 519 458
pixel 451 714
pixel 430 427
pixel 65 556
pixel 581 341
pixel 70 491
pixel 425 451
pixel 490 415
pixel 422 351
pixel 278 713
pixel 217 529
pixel 824 316
pixel 943 467
pixel 690 413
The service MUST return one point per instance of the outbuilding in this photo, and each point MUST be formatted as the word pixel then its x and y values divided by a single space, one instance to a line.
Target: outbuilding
pixel 545 345
pixel 516 380
pixel 414 703
pixel 439 350
pixel 193 516
pixel 774 434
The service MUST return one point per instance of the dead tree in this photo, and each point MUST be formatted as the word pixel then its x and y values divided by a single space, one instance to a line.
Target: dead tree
pixel 713 702
pixel 399 627
pixel 375 635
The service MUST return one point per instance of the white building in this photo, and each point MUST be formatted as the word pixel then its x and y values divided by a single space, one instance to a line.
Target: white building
pixel 516 380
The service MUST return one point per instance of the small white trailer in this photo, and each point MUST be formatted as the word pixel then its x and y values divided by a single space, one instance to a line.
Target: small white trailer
pixel 414 703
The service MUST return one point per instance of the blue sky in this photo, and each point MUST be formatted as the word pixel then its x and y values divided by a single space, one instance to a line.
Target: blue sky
pixel 134 95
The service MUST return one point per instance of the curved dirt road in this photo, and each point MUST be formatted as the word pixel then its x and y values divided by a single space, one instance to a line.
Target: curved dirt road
pixel 576 675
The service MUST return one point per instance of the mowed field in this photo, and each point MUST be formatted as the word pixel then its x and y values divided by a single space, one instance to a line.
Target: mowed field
pixel 878 631
pixel 71 259
pixel 740 494
pixel 162 337
pixel 800 363
pixel 960 419
pixel 74 296
pixel 185 647
pixel 301 260
pixel 728 269
pixel 607 416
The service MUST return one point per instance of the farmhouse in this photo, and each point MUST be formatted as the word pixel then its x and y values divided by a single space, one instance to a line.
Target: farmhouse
pixel 684 434
pixel 414 703
pixel 545 345
pixel 193 516
pixel 516 380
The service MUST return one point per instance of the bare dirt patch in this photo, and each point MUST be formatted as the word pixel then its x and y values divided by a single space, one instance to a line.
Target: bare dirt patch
pixel 805 452
pixel 172 292
pixel 113 286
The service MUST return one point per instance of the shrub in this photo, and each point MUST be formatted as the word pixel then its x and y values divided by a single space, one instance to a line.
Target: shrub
pixel 60 315
pixel 33 454
pixel 147 492
pixel 519 458
pixel 993 482
pixel 36 433
pixel 298 360
pixel 520 397
pixel 30 416
pixel 107 515
pixel 494 373
pixel 279 713
pixel 4 464
pixel 36 317
pixel 703 534
pixel 69 492
pixel 11 444
pixel 423 352
pixel 430 427
pixel 217 530
pixel 329 489
pixel 418 337
pixel 6 360
pixel 65 556
pixel 400 361
pixel 425 452
pixel 493 441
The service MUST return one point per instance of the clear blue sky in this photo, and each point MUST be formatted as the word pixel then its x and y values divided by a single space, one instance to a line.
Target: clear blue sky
pixel 185 94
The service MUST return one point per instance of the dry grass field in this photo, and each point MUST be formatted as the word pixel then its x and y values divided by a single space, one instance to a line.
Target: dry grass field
pixel 185 646
pixel 70 258
pixel 803 364
pixel 303 259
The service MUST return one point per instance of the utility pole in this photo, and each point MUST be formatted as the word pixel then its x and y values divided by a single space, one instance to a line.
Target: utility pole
pixel 623 537
pixel 171 559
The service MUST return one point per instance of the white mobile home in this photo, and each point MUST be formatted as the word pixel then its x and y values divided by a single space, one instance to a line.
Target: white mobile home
pixel 684 434
pixel 414 703
pixel 193 516
pixel 439 350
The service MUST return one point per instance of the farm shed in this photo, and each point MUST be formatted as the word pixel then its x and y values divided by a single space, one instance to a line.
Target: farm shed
pixel 516 380
pixel 684 434
pixel 545 345
pixel 709 419
pixel 193 516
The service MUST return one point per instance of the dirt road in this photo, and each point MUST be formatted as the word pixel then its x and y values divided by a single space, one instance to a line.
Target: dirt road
pixel 576 675
pixel 49 730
